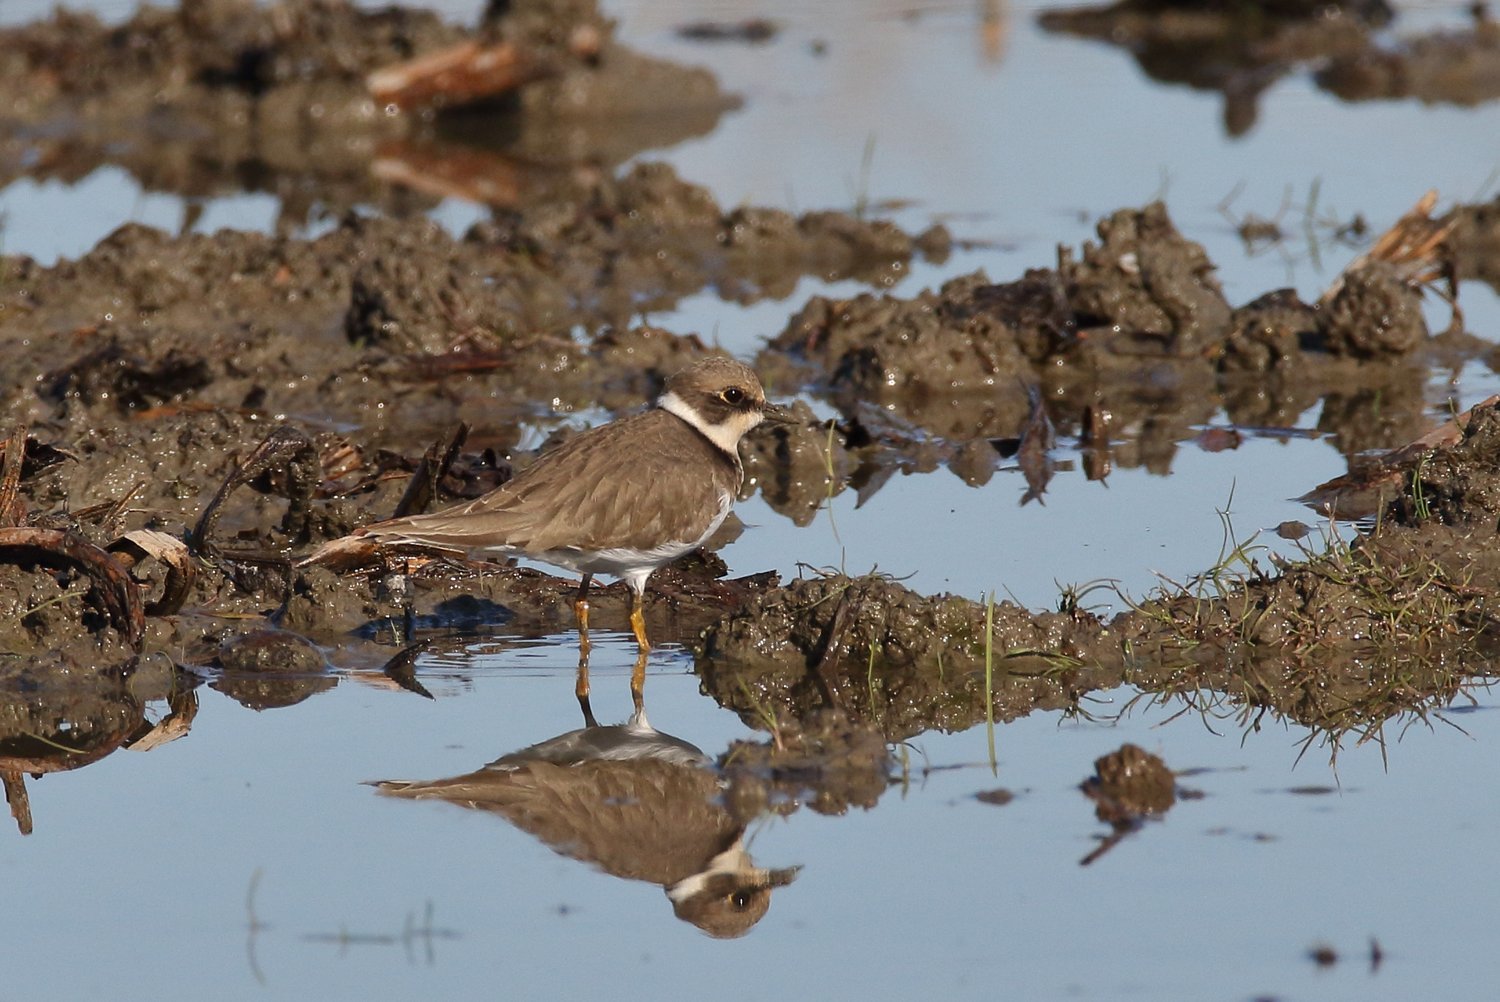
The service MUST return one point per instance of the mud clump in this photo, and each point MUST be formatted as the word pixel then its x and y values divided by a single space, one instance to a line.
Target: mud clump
pixel 395 306
pixel 1473 246
pixel 1133 326
pixel 1129 785
pixel 1376 312
pixel 267 669
pixel 1458 486
pixel 1268 333
pixel 1147 282
pixel 880 653
pixel 270 651
pixel 1143 282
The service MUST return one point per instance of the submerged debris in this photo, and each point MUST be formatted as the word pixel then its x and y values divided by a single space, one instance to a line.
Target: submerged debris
pixel 754 30
pixel 1130 784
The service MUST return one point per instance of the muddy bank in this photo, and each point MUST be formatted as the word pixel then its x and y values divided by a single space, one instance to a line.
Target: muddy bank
pixel 1392 626
pixel 247 396
pixel 295 99
pixel 369 319
pixel 1456 66
pixel 1243 50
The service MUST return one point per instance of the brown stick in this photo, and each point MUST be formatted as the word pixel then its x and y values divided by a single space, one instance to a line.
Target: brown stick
pixel 439 456
pixel 117 593
pixel 15 795
pixel 284 445
pixel 457 75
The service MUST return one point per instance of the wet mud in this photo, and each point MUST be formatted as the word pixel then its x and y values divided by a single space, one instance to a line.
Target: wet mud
pixel 1131 331
pixel 186 415
pixel 159 444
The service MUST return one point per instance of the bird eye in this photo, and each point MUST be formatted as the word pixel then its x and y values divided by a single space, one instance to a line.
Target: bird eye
pixel 741 900
pixel 733 395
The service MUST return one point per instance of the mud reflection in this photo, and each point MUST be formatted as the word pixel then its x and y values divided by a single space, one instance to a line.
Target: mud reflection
pixel 1346 645
pixel 1242 50
pixel 58 716
pixel 329 107
pixel 634 802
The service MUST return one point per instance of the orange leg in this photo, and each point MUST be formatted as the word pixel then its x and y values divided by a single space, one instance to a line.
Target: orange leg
pixel 581 610
pixel 581 685
pixel 638 621
pixel 638 675
pixel 638 681
pixel 581 688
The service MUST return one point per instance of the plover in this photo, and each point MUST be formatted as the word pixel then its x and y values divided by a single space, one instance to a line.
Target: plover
pixel 621 499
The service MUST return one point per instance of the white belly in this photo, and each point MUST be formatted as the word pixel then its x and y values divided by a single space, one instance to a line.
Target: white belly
pixel 633 566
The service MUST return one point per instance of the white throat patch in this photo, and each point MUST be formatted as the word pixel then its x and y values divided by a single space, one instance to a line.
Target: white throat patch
pixel 732 860
pixel 726 436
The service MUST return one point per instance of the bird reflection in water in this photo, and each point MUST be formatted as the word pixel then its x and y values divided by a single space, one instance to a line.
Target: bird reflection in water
pixel 636 803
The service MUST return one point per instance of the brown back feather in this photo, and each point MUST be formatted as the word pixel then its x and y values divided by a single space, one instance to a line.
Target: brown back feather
pixel 548 506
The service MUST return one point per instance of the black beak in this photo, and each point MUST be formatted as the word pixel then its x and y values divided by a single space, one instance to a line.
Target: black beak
pixel 777 414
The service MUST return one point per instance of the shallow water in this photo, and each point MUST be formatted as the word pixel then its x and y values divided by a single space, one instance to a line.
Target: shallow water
pixel 248 860
pixel 147 863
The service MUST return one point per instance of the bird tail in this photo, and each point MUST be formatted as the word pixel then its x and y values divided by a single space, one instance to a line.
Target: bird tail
pixel 362 547
pixel 344 553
